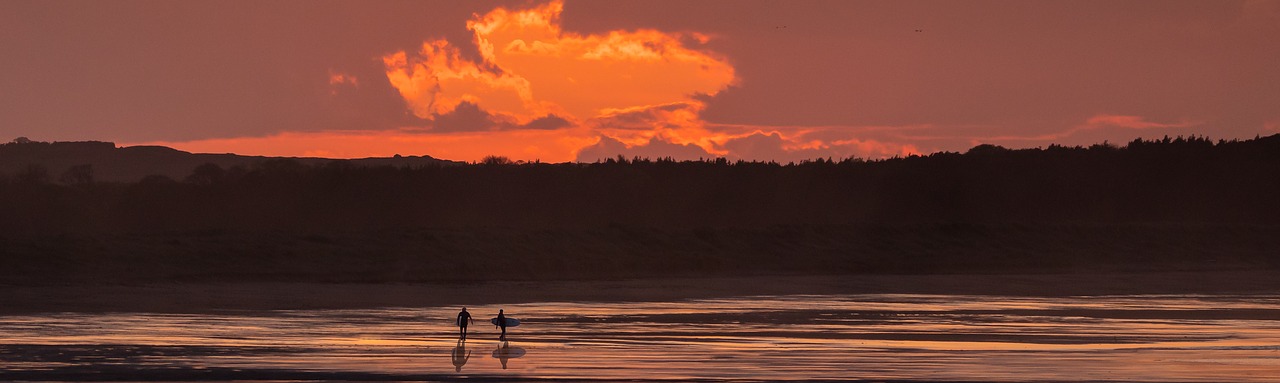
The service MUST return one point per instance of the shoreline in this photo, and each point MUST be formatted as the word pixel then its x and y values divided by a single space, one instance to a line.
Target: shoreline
pixel 203 297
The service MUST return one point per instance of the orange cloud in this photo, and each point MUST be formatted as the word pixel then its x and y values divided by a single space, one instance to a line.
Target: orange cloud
pixel 1130 122
pixel 529 67
pixel 760 145
pixel 638 92
pixel 536 91
pixel 438 79
pixel 782 144
pixel 677 123
pixel 338 78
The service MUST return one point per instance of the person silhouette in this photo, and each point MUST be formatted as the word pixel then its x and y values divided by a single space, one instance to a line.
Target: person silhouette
pixel 460 355
pixel 464 317
pixel 502 322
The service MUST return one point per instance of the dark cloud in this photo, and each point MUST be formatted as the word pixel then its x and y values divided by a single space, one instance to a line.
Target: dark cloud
pixel 548 122
pixel 644 118
pixel 609 147
pixel 466 117
pixel 759 146
pixel 771 147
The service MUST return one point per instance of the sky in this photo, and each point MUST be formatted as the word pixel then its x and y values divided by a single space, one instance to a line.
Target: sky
pixel 557 81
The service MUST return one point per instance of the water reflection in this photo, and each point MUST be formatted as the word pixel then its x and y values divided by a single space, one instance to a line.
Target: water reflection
pixel 871 337
pixel 506 351
pixel 460 354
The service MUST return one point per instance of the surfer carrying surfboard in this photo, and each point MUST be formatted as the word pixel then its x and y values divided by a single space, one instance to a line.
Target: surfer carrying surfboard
pixel 502 322
pixel 464 317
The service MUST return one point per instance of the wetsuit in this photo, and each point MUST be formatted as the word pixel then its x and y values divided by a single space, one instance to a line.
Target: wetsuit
pixel 502 322
pixel 463 318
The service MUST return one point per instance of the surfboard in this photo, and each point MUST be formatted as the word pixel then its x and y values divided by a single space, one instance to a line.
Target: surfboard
pixel 511 322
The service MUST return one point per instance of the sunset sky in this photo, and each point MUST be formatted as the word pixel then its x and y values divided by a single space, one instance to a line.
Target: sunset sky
pixel 580 80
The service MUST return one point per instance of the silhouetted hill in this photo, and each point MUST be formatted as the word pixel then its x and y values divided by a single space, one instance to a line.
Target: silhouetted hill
pixel 107 163
pixel 1169 204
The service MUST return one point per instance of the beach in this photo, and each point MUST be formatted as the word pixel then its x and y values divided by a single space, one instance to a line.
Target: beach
pixel 957 336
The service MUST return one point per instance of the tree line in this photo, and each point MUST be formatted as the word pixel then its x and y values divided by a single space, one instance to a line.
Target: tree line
pixel 1181 179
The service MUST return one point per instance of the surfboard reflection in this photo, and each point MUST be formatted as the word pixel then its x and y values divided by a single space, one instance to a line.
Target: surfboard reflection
pixel 460 355
pixel 507 351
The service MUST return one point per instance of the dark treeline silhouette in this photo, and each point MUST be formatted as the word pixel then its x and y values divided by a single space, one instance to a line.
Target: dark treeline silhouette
pixel 1057 206
pixel 1170 180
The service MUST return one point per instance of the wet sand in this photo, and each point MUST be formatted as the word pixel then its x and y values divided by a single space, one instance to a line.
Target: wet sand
pixel 873 337
pixel 214 297
pixel 1200 326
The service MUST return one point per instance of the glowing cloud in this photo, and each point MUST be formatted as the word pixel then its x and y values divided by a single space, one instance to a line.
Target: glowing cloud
pixel 760 145
pixel 337 78
pixel 633 93
pixel 676 123
pixel 530 67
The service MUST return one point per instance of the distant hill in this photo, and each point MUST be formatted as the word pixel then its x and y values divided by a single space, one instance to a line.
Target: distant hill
pixel 108 163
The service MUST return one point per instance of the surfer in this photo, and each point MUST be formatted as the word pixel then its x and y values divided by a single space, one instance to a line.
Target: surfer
pixel 463 318
pixel 502 322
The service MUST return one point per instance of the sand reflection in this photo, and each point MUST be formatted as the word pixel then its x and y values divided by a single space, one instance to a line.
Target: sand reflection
pixel 460 355
pixel 506 351
pixel 882 336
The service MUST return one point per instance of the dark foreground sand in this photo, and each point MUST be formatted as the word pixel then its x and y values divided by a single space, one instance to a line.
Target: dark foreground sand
pixel 207 297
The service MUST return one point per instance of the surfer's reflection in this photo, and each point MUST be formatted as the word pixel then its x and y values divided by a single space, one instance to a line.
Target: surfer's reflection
pixel 506 351
pixel 460 354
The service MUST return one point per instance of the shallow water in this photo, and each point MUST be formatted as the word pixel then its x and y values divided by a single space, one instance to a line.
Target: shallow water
pixel 873 337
